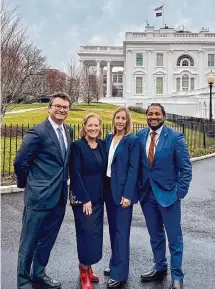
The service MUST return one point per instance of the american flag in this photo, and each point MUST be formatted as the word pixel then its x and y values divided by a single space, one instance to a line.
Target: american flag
pixel 159 8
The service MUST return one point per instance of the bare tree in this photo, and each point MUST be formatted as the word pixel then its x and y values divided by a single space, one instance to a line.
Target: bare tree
pixel 20 59
pixel 73 79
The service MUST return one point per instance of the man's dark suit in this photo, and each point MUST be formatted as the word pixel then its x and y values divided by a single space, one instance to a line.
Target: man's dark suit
pixel 41 170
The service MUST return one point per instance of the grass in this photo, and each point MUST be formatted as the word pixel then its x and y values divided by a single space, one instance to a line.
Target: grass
pixel 9 146
pixel 76 115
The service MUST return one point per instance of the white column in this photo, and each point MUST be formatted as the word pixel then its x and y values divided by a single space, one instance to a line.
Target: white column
pixel 111 81
pixel 129 68
pixel 82 84
pixel 108 93
pixel 102 80
pixel 98 72
pixel 170 79
pixel 200 69
pixel 124 81
pixel 150 78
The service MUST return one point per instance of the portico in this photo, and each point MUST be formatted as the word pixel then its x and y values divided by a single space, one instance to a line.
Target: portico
pixel 102 57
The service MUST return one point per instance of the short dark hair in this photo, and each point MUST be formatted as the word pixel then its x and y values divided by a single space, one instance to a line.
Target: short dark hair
pixel 157 104
pixel 63 96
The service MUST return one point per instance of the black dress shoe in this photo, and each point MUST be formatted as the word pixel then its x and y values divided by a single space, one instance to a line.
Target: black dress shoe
pixel 107 272
pixel 45 283
pixel 176 284
pixel 115 284
pixel 153 275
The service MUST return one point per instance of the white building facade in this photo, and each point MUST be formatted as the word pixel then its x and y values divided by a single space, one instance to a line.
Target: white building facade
pixel 166 66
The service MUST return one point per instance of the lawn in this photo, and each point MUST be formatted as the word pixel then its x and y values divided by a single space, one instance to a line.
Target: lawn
pixel 76 115
pixel 11 141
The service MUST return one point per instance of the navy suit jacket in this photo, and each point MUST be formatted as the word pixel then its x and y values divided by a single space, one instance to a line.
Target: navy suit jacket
pixel 40 168
pixel 124 168
pixel 87 177
pixel 171 171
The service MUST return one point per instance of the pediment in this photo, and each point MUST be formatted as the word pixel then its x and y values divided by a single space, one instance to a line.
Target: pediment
pixel 139 72
pixel 159 73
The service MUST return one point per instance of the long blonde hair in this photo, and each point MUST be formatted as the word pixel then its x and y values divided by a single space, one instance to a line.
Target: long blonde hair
pixel 129 125
pixel 82 132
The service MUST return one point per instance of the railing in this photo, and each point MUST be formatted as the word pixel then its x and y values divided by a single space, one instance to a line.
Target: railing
pixel 198 134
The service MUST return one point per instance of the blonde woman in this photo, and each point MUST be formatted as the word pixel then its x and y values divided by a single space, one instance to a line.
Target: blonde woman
pixel 88 168
pixel 122 171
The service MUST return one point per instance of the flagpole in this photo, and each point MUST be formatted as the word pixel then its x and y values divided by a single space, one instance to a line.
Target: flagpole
pixel 163 15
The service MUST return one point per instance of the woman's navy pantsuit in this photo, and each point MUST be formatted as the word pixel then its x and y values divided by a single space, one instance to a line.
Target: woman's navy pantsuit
pixel 88 170
pixel 124 172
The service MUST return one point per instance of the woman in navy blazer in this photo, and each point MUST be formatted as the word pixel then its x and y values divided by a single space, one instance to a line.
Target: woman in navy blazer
pixel 88 168
pixel 120 194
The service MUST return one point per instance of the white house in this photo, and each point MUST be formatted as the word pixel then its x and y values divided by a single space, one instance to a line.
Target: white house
pixel 166 65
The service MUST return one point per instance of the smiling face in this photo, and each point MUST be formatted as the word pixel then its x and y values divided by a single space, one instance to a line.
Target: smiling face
pixel 155 117
pixel 92 128
pixel 120 121
pixel 59 110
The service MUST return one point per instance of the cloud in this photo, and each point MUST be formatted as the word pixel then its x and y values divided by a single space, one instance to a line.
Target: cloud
pixel 112 7
pixel 127 28
pixel 97 40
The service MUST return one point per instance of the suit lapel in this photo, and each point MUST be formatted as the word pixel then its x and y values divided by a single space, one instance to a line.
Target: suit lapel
pixel 144 143
pixel 68 136
pixel 119 146
pixel 108 142
pixel 161 142
pixel 54 137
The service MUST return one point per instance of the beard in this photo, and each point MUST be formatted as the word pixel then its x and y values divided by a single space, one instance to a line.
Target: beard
pixel 154 128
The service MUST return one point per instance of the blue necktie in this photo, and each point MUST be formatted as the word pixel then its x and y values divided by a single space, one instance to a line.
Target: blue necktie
pixel 61 141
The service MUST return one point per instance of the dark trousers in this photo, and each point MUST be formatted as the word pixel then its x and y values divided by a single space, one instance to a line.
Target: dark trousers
pixel 119 220
pixel 157 218
pixel 38 235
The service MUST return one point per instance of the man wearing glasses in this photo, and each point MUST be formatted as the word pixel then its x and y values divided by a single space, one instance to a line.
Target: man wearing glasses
pixel 41 166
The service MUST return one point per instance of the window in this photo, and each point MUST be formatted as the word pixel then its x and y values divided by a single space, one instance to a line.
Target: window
pixel 185 82
pixel 139 59
pixel 192 83
pixel 119 78
pixel 114 78
pixel 211 59
pixel 159 59
pixel 185 63
pixel 139 85
pixel 178 84
pixel 159 85
pixel 185 57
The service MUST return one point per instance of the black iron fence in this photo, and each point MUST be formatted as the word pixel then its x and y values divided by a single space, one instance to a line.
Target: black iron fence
pixel 197 135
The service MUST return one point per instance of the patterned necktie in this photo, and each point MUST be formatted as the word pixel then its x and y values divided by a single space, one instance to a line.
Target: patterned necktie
pixel 151 148
pixel 61 141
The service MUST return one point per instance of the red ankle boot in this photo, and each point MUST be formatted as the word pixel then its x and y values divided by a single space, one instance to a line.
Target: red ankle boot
pixel 93 276
pixel 85 278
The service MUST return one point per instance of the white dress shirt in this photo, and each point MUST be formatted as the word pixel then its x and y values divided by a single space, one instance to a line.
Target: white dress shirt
pixel 55 127
pixel 157 137
pixel 110 157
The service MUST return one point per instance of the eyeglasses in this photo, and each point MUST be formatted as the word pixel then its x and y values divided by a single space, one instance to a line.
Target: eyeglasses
pixel 59 107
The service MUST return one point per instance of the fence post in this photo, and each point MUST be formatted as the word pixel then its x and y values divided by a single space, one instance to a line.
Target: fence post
pixel 204 136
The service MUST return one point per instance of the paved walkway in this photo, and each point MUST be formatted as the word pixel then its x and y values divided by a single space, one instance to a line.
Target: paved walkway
pixel 198 224
pixel 24 110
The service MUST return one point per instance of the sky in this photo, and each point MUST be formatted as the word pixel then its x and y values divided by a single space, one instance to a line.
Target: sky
pixel 60 27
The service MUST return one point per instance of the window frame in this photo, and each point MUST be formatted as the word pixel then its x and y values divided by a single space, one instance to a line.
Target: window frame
pixel 157 62
pixel 156 87
pixel 140 53
pixel 138 93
